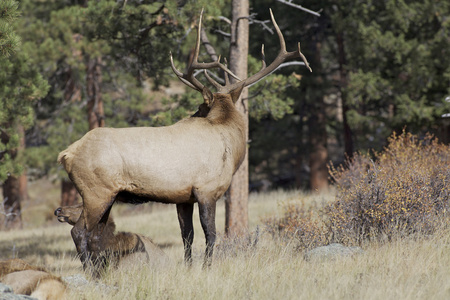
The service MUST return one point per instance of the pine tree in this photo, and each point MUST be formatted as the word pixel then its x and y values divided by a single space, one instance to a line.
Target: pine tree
pixel 385 65
pixel 397 62
pixel 20 86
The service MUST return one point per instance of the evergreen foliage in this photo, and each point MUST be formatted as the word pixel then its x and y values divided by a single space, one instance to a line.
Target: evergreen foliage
pixel 396 59
pixel 395 73
pixel 9 40
pixel 20 87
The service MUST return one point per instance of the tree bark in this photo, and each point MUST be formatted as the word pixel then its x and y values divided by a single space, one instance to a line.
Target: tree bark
pixel 23 187
pixel 318 157
pixel 69 194
pixel 72 92
pixel 14 188
pixel 11 203
pixel 236 203
pixel 348 138
pixel 95 104
pixel 95 115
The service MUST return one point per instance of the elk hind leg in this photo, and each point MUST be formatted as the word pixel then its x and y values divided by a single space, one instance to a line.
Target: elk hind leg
pixel 185 211
pixel 207 210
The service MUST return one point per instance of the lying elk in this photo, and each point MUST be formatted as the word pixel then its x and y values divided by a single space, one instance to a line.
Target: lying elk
pixel 26 279
pixel 120 248
pixel 188 162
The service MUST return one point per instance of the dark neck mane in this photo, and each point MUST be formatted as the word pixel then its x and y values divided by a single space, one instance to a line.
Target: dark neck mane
pixel 222 110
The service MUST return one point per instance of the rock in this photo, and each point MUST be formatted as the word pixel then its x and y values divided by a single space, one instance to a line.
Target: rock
pixel 79 282
pixel 5 288
pixel 332 251
pixel 6 293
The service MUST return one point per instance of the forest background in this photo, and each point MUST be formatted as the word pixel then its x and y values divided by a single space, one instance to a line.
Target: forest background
pixel 70 66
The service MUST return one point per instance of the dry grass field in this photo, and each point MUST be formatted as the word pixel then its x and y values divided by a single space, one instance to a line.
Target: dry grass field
pixel 271 269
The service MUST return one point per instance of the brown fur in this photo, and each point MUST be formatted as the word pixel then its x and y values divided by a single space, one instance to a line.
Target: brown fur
pixel 119 248
pixel 190 161
pixel 31 280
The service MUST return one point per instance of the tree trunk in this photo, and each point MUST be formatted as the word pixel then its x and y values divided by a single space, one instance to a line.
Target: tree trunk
pixel 348 139
pixel 11 203
pixel 23 187
pixel 236 203
pixel 14 188
pixel 95 104
pixel 95 115
pixel 72 92
pixel 318 157
pixel 69 194
pixel 23 179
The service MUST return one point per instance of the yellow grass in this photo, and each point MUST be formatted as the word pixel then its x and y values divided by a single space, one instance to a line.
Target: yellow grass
pixel 405 269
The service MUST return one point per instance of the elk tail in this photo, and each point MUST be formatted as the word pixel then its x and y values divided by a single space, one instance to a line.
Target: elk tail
pixel 65 158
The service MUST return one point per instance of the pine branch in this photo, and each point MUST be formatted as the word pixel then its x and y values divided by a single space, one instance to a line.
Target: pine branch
pixel 9 41
pixel 9 10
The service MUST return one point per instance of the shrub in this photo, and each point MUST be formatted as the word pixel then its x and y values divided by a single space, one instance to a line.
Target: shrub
pixel 300 224
pixel 404 190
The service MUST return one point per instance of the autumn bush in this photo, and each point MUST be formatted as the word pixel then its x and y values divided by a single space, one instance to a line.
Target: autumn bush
pixel 399 191
pixel 299 224
pixel 403 190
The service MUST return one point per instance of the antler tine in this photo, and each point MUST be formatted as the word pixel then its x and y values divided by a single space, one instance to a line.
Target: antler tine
pixel 197 43
pixel 188 78
pixel 279 33
pixel 263 58
pixel 174 69
pixel 215 64
pixel 217 85
pixel 304 58
pixel 211 80
pixel 181 75
pixel 282 56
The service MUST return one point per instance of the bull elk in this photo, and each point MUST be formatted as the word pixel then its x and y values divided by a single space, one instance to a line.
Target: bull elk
pixel 189 162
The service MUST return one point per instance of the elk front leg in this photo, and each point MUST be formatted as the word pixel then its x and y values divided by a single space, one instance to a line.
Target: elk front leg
pixel 185 211
pixel 90 245
pixel 80 238
pixel 207 219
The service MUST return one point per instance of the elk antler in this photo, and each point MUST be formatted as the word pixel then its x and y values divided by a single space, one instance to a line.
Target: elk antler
pixel 188 78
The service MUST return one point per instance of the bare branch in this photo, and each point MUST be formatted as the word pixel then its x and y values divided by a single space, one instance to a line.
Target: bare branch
pixel 209 48
pixel 283 65
pixel 226 34
pixel 226 20
pixel 252 20
pixel 262 24
pixel 289 2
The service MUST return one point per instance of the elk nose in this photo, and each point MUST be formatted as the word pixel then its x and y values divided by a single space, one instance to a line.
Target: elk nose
pixel 57 211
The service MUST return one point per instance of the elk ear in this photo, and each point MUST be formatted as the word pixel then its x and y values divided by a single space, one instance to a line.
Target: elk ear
pixel 236 93
pixel 207 96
